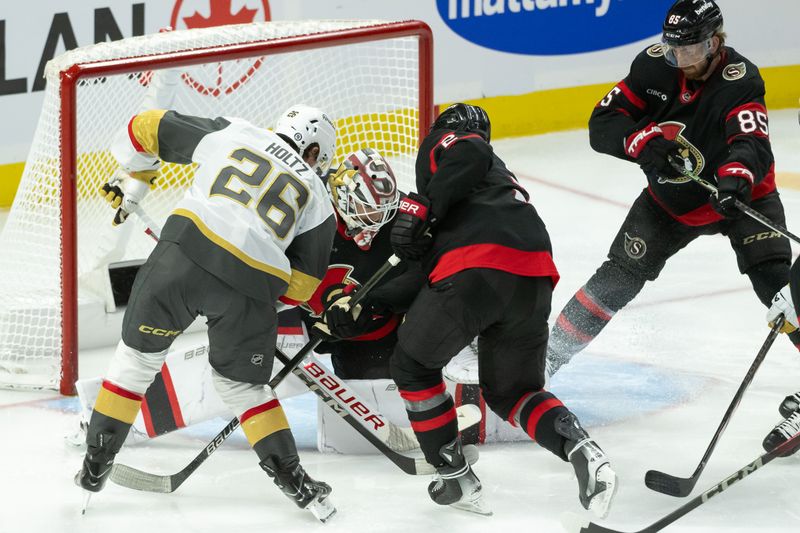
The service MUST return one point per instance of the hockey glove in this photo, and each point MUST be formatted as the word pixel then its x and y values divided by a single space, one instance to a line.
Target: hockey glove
pixel 410 237
pixel 782 305
pixel 346 323
pixel 735 183
pixel 125 190
pixel 321 329
pixel 653 151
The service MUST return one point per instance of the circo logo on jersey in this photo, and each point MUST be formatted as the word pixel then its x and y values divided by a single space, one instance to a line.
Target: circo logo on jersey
pixel 220 78
pixel 553 27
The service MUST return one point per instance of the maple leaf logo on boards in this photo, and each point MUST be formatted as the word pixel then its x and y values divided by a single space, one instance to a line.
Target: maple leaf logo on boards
pixel 221 78
pixel 220 14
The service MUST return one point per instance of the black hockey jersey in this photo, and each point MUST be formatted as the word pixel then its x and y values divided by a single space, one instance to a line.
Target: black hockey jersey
pixel 721 123
pixel 350 265
pixel 484 217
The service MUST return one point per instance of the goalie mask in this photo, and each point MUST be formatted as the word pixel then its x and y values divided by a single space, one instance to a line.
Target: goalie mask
pixel 306 126
pixel 364 192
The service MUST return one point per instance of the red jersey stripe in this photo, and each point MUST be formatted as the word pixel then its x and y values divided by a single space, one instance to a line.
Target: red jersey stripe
pixel 632 96
pixel 290 330
pixel 496 257
pixel 706 214
pixel 132 137
pixel 750 106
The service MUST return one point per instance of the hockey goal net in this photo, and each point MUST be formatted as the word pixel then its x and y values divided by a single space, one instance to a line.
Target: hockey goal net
pixel 373 77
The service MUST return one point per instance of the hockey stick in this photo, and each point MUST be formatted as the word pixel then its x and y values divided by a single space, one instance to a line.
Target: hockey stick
pixel 682 487
pixel 390 263
pixel 388 438
pixel 744 208
pixel 787 448
pixel 137 479
pixel 379 432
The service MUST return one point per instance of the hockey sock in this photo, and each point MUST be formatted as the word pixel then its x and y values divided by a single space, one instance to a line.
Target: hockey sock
pixel 267 431
pixel 161 408
pixel 536 413
pixel 590 310
pixel 432 415
pixel 114 412
pixel 582 319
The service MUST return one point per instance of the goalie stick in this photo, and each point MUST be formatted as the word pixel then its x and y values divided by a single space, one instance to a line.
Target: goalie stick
pixel 388 438
pixel 682 487
pixel 786 448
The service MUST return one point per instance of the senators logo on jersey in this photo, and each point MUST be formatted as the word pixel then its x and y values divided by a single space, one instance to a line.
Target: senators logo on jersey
pixel 336 280
pixel 674 132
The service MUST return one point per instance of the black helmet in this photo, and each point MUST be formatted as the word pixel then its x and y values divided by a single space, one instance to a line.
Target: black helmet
pixel 691 22
pixel 464 117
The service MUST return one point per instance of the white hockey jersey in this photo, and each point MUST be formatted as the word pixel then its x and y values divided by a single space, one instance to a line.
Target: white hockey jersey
pixel 256 215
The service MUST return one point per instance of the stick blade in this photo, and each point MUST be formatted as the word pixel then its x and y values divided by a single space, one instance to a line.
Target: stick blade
pixel 575 523
pixel 670 485
pixel 126 476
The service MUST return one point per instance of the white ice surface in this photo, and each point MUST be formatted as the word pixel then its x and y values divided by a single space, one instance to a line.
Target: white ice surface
pixel 651 389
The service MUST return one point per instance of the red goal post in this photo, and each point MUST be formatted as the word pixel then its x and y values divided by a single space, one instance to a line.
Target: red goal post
pixel 375 78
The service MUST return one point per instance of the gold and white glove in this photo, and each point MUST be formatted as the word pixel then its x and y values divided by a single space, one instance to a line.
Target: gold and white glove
pixel 782 305
pixel 126 189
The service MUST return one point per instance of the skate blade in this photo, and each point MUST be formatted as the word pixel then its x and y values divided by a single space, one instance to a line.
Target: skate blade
pixel 600 504
pixel 323 510
pixel 476 506
pixel 86 497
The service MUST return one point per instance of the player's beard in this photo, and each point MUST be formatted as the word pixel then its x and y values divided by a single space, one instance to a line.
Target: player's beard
pixel 701 71
pixel 696 72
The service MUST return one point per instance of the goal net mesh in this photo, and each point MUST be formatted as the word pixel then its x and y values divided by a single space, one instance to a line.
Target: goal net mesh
pixel 371 89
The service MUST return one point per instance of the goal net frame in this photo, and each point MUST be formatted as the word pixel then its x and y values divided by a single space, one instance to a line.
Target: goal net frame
pixel 71 76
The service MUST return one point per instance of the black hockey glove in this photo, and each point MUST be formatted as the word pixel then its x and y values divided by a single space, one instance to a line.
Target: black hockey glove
pixel 735 183
pixel 346 323
pixel 653 151
pixel 410 237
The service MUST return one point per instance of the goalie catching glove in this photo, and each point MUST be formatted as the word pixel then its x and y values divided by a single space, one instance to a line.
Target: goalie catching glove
pixel 782 305
pixel 126 189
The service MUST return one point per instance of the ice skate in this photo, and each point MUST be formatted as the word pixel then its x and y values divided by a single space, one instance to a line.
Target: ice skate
pixel 597 482
pixel 455 484
pixel 96 468
pixel 783 432
pixel 304 491
pixel 790 405
pixel 97 465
